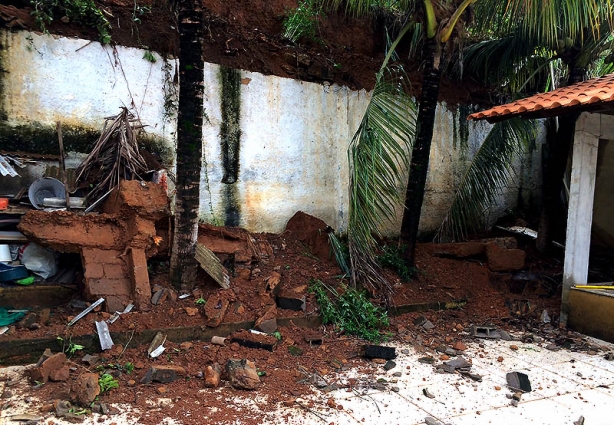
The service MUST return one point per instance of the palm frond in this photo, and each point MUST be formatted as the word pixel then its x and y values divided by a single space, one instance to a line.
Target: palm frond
pixel 378 164
pixel 507 62
pixel 489 172
pixel 546 21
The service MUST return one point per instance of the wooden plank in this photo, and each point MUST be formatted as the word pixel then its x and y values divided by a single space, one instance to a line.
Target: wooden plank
pixel 580 214
pixel 211 264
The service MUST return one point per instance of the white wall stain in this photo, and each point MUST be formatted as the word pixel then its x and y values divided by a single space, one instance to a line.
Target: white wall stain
pixel 293 153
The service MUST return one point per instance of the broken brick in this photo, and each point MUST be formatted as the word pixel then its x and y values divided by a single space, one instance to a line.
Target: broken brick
pixel 215 309
pixel 163 374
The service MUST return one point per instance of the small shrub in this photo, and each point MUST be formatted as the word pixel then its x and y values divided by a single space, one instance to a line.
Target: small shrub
pixel 391 257
pixel 107 383
pixel 351 311
pixel 200 301
pixel 301 22
pixel 69 348
pixel 84 12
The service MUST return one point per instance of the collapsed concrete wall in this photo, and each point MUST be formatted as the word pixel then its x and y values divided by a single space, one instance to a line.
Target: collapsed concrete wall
pixel 272 145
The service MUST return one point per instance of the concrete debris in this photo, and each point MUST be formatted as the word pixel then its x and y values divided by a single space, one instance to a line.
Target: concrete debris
pixel 431 421
pixel 545 318
pixel 580 421
pixel 518 381
pixel 380 352
pixel 609 356
pixel 242 374
pixel 424 322
pixel 490 332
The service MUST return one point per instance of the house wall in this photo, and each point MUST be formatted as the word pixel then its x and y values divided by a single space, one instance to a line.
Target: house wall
pixel 603 210
pixel 288 139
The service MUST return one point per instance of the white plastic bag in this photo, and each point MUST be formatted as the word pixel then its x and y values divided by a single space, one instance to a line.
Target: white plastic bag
pixel 39 260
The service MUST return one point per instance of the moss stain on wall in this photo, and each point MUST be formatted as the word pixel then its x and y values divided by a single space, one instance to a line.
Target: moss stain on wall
pixel 230 139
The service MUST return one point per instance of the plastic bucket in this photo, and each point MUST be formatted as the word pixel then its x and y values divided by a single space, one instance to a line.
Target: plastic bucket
pixel 5 253
pixel 47 187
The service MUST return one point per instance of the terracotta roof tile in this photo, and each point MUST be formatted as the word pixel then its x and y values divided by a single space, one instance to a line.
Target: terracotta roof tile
pixel 598 91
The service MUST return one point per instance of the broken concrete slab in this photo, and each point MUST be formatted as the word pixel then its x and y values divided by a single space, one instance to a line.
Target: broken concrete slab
pixel 242 374
pixel 255 340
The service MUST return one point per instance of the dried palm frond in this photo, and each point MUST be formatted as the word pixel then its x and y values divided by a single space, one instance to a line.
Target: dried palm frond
pixel 115 155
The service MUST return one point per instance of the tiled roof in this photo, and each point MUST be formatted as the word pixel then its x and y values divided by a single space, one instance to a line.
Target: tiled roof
pixel 591 95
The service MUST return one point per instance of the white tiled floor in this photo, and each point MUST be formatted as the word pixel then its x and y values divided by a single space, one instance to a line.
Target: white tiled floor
pixel 566 385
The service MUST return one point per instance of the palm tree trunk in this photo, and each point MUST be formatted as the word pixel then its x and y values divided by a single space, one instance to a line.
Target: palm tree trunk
pixel 419 165
pixel 184 267
pixel 552 223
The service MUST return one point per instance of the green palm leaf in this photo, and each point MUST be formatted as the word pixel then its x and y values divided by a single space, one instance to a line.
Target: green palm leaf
pixel 489 172
pixel 378 165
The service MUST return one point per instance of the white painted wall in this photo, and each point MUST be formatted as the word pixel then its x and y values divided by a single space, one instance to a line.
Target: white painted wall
pixel 294 134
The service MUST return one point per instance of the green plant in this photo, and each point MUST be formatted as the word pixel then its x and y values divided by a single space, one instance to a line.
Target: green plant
pixel 78 411
pixel 84 12
pixel 302 21
pixel 390 257
pixel 129 368
pixel 277 335
pixel 200 301
pixel 350 310
pixel 148 56
pixel 107 383
pixel 69 348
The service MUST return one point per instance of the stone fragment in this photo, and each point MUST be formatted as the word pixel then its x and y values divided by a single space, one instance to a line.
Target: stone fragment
pixel 450 352
pixel 213 375
pixel 47 364
pixel 431 421
pixel 186 345
pixel 191 311
pixel 459 346
pixel 514 347
pixel 90 359
pixel 163 374
pixel 390 365
pixel 85 389
pixel 427 393
pixel 242 374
